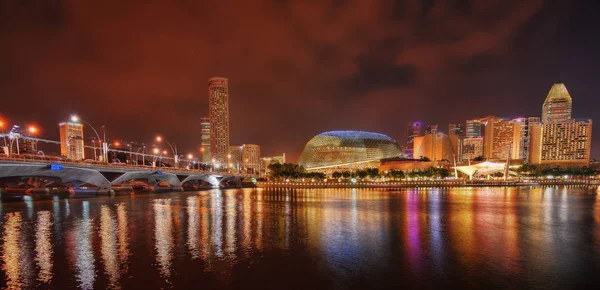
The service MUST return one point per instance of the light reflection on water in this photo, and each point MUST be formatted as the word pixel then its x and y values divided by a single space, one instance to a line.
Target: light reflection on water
pixel 366 238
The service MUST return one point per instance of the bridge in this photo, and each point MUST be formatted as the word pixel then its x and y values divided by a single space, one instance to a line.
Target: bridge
pixel 35 174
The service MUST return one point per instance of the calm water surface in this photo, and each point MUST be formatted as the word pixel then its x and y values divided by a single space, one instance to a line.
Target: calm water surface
pixel 298 239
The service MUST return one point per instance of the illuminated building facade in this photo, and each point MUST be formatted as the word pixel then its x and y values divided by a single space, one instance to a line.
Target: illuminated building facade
pixel 560 140
pixel 455 134
pixel 558 105
pixel 436 147
pixel 218 107
pixel 205 139
pixel 473 129
pixel 347 150
pixel 414 129
pixel 71 140
pixel 235 156
pixel 251 157
pixel 499 137
pixel 471 148
pixel 522 137
pixel 567 142
pixel 431 129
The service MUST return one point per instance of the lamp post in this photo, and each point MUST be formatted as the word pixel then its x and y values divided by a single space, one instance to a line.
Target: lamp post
pixel 76 119
pixel 143 148
pixel 2 124
pixel 174 150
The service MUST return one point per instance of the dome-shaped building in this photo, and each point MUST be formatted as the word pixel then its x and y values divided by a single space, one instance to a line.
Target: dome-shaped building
pixel 347 150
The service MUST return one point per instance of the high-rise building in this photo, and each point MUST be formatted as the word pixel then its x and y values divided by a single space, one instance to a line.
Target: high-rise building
pixel 558 105
pixel 522 137
pixel 471 148
pixel 498 138
pixel 413 130
pixel 251 157
pixel 436 147
pixel 455 135
pixel 455 129
pixel 560 140
pixel 473 129
pixel 218 107
pixel 566 143
pixel 205 139
pixel 71 140
pixel 431 129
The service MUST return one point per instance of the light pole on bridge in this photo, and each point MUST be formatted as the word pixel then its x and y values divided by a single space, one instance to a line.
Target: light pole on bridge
pixel 76 119
pixel 173 149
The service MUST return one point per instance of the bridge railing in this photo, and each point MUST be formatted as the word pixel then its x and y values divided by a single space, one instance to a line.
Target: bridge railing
pixel 61 160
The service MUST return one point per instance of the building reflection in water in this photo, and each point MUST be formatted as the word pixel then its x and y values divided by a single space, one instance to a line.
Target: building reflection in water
pixel 230 218
pixel 108 239
pixel 122 224
pixel 192 230
pixel 11 250
pixel 43 246
pixel 217 225
pixel 86 270
pixel 436 228
pixel 413 228
pixel 163 235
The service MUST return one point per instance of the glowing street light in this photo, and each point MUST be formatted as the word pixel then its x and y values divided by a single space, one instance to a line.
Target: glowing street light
pixel 104 146
pixel 32 129
pixel 156 150
pixel 190 156
pixel 173 149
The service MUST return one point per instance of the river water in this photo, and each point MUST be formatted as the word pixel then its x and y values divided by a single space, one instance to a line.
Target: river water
pixel 303 239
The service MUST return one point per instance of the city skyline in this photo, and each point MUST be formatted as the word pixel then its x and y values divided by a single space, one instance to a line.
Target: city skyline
pixel 296 89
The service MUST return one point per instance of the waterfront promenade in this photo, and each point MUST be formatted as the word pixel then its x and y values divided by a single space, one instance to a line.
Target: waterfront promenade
pixel 438 183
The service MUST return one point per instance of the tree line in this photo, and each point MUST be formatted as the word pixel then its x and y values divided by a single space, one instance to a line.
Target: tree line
pixel 537 171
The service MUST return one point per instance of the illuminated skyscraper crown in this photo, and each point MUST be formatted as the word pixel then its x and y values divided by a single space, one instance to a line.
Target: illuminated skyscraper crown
pixel 558 104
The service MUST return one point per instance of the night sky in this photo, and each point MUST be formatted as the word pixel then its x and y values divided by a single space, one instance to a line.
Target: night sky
pixel 296 68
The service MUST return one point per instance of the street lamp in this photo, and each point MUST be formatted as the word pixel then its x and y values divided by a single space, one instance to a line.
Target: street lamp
pixel 2 125
pixel 174 150
pixel 143 148
pixel 76 119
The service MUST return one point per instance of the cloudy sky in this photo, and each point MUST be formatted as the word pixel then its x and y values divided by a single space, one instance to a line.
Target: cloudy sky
pixel 296 67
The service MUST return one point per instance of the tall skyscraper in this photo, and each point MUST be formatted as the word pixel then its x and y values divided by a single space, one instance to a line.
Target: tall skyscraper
pixel 431 129
pixel 71 140
pixel 522 137
pixel 498 138
pixel 455 135
pixel 455 129
pixel 558 105
pixel 414 129
pixel 560 140
pixel 218 107
pixel 473 129
pixel 205 139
